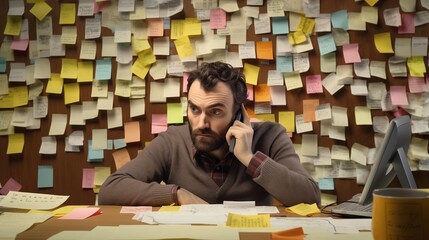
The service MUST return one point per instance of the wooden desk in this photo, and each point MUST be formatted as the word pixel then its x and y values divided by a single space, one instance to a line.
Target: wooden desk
pixel 111 216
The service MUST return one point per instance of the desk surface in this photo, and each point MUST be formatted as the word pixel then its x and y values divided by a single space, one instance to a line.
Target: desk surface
pixel 111 216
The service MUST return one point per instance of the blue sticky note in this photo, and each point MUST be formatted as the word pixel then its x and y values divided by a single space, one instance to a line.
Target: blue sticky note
pixel 326 44
pixel 2 64
pixel 280 25
pixel 94 155
pixel 45 176
pixel 284 64
pixel 326 183
pixel 119 143
pixel 109 144
pixel 167 23
pixel 340 19
pixel 103 69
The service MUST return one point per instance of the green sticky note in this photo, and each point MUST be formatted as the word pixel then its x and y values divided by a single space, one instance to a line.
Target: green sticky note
pixel 174 113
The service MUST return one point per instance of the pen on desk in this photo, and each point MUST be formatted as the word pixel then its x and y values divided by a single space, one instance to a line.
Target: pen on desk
pixel 172 204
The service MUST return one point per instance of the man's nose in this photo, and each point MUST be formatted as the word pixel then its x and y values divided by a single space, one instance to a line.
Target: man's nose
pixel 203 121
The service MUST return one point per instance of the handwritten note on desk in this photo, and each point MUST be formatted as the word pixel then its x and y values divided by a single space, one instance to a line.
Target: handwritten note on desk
pixel 26 200
pixel 248 221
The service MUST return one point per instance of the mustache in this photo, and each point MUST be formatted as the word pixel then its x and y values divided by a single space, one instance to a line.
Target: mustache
pixel 202 131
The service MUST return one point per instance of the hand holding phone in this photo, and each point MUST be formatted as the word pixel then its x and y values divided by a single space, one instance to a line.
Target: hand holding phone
pixel 239 117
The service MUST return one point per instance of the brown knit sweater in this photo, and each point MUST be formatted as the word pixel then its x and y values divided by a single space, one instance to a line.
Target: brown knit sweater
pixel 169 158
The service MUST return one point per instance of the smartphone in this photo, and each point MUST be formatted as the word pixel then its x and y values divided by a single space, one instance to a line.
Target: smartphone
pixel 239 117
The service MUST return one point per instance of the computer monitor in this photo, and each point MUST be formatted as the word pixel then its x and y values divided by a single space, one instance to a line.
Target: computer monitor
pixel 391 160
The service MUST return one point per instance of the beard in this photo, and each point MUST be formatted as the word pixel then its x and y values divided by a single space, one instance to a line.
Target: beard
pixel 209 142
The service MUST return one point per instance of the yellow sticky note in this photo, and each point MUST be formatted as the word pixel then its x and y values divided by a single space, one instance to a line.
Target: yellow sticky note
pixel 68 13
pixel 251 72
pixel 174 113
pixel 169 209
pixel 383 43
pixel 16 143
pixel 304 209
pixel 371 2
pixel 416 66
pixel 55 84
pixel 287 120
pixel 71 93
pixel 309 26
pixel 363 115
pixel 66 209
pixel 69 68
pixel 184 47
pixel 298 37
pixel 40 9
pixel 192 27
pixel 267 117
pixel 100 175
pixel 139 69
pixel 262 93
pixel 85 71
pixel 17 96
pixel 139 44
pixel 177 28
pixel 146 57
pixel 13 25
pixel 248 221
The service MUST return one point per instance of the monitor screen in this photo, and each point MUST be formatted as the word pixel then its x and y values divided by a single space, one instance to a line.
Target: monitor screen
pixel 391 160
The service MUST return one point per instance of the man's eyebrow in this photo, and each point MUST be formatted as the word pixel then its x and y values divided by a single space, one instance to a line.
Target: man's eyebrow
pixel 210 106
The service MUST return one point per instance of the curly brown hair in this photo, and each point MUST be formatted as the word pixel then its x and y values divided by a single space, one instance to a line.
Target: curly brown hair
pixel 209 74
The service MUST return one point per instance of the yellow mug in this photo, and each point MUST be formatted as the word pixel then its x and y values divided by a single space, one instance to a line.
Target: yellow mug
pixel 400 213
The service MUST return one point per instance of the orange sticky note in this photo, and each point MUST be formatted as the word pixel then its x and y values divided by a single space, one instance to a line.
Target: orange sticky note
pixel 309 109
pixel 121 157
pixel 155 27
pixel 262 93
pixel 132 131
pixel 264 50
pixel 290 234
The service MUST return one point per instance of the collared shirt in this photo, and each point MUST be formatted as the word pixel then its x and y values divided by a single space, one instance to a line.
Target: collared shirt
pixel 218 170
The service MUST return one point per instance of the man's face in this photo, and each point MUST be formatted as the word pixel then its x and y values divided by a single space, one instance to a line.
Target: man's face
pixel 210 115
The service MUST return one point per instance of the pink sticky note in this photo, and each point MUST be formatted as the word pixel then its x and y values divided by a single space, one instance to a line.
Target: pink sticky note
pixel 88 177
pixel 416 84
pixel 81 213
pixel 159 123
pixel 407 24
pixel 398 95
pixel 10 185
pixel 136 209
pixel 249 92
pixel 217 18
pixel 399 112
pixel 313 84
pixel 185 82
pixel 19 45
pixel 351 53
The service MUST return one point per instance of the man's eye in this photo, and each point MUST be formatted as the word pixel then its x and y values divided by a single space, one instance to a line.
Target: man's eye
pixel 193 109
pixel 216 112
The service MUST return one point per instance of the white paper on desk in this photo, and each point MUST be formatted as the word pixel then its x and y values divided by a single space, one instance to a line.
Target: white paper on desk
pixel 27 200
pixel 11 224
pixel 181 218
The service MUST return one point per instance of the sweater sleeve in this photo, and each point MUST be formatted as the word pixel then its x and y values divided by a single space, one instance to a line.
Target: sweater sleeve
pixel 138 181
pixel 282 174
